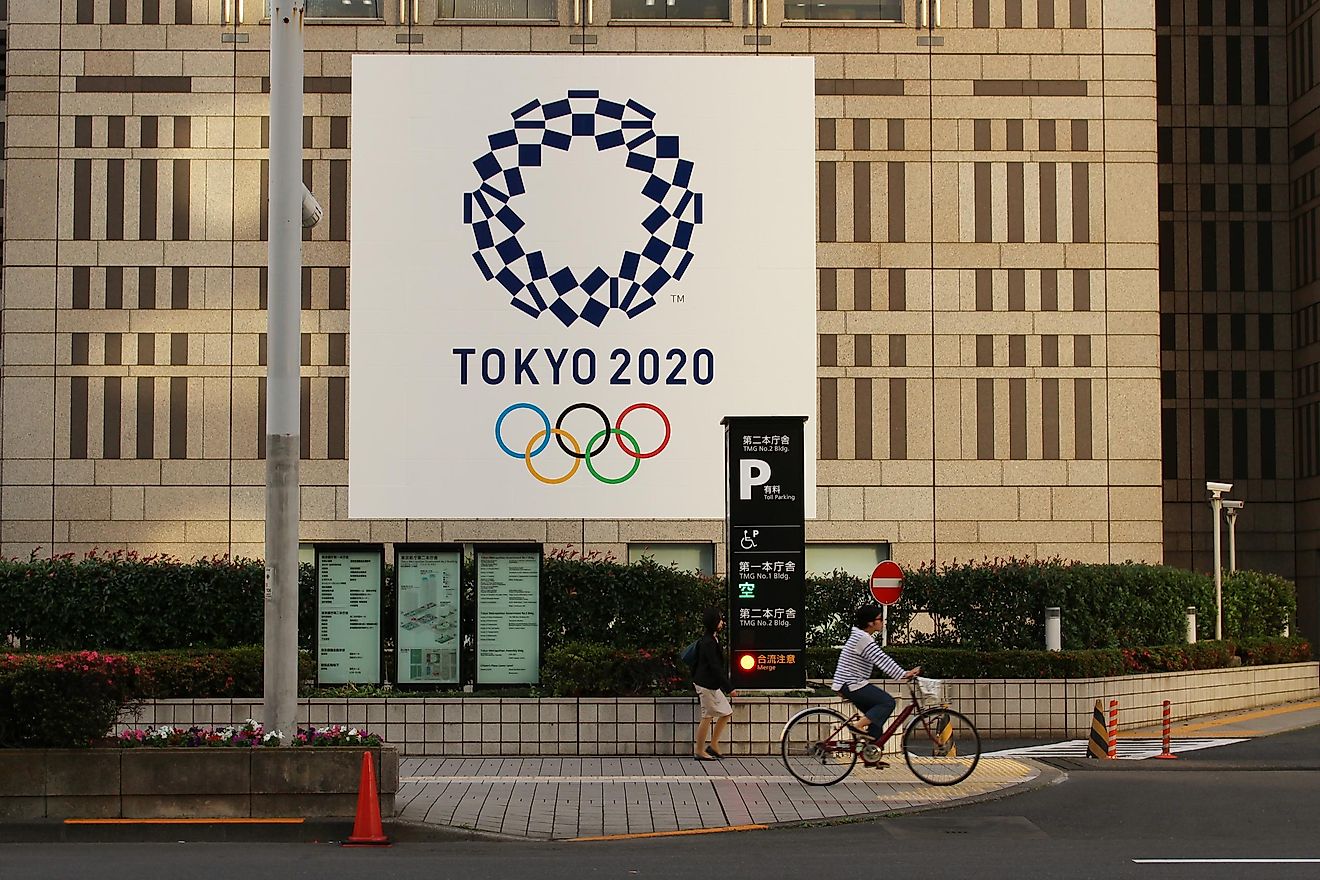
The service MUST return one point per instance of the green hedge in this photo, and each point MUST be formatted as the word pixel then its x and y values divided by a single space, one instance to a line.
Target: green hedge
pixel 637 605
pixel 588 669
pixel 200 673
pixel 125 602
pixel 939 662
pixel 1001 604
pixel 62 700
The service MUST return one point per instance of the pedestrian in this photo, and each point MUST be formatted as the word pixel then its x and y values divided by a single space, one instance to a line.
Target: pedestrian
pixel 711 678
pixel 860 656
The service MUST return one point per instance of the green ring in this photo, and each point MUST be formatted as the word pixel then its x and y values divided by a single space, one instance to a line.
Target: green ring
pixel 637 462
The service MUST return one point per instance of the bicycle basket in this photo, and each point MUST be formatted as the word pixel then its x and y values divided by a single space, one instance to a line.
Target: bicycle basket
pixel 932 689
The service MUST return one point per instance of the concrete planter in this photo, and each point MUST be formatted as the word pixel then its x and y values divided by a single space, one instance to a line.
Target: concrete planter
pixel 151 783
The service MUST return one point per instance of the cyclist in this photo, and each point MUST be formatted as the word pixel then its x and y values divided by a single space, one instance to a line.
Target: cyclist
pixel 861 654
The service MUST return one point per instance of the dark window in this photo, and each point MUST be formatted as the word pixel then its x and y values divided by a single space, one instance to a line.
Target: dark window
pixel 1235 198
pixel 1265 257
pixel 1163 71
pixel 1262 145
pixel 1169 442
pixel 1168 332
pixel 1264 197
pixel 1233 66
pixel 1166 197
pixel 1164 142
pixel 1168 385
pixel 1208 197
pixel 1210 385
pixel 1235 145
pixel 1267 333
pixel 1210 430
pixel 1239 384
pixel 1209 257
pixel 1237 325
pixel 1207 145
pixel 1168 252
pixel 1240 444
pixel 1262 58
pixel 1237 256
pixel 1210 332
pixel 1267 385
pixel 1267 444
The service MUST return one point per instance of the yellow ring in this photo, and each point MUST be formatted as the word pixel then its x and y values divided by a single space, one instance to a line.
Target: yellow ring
pixel 577 462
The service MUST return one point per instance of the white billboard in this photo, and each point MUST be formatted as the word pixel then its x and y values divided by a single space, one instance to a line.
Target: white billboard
pixel 566 271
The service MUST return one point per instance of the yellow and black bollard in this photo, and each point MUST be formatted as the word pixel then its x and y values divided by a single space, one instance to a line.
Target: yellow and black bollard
pixel 1097 745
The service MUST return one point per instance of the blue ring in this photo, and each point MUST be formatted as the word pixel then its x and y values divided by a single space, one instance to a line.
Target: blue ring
pixel 499 423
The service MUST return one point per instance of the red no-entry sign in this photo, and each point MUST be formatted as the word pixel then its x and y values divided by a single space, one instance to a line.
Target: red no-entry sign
pixel 887 583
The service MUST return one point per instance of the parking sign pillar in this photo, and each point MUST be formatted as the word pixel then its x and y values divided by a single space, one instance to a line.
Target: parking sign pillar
pixel 766 541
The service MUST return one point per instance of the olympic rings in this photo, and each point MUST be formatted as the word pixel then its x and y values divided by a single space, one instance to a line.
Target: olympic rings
pixel 571 471
pixel 618 430
pixel 559 423
pixel 637 459
pixel 599 441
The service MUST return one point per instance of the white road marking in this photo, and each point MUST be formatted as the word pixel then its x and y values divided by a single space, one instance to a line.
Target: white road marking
pixel 1129 749
pixel 1225 861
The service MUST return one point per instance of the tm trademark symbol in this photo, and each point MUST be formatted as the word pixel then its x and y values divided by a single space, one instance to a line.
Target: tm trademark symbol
pixel 678 297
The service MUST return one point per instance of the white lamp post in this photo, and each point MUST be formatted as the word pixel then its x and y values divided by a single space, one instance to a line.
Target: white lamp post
pixel 287 216
pixel 1231 509
pixel 1217 491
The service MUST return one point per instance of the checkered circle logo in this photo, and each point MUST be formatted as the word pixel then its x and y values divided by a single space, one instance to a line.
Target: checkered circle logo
pixel 536 286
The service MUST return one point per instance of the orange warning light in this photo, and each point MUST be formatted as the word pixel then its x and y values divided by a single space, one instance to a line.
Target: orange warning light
pixel 747 662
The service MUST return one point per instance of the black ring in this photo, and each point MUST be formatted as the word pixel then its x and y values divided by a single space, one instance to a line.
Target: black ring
pixel 559 424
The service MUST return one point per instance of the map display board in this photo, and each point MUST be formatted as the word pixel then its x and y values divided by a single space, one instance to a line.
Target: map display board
pixel 428 629
pixel 348 613
pixel 508 615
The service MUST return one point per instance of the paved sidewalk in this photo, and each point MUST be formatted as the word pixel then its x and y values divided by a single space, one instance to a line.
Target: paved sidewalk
pixel 576 798
pixel 1266 721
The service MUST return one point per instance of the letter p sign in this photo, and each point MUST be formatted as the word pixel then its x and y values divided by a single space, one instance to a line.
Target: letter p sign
pixel 751 472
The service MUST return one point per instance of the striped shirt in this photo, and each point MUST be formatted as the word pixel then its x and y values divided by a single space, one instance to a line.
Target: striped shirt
pixel 860 655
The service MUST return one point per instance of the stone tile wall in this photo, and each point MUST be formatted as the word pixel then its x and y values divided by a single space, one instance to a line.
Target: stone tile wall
pixel 664 726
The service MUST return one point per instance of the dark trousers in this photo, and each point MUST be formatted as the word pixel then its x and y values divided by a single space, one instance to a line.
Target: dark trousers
pixel 875 703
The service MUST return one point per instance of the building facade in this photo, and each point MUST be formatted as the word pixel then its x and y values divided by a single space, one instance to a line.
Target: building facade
pixel 1016 328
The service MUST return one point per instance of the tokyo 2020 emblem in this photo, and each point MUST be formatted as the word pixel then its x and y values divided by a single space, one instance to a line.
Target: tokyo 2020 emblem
pixel 536 286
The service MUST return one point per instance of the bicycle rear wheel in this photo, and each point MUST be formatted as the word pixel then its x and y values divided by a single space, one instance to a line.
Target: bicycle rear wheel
pixel 818 747
pixel 941 746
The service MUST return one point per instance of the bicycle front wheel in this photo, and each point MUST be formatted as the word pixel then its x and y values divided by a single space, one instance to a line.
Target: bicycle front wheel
pixel 941 746
pixel 818 747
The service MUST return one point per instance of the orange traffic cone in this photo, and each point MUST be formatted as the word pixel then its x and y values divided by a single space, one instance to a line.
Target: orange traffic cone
pixel 367 830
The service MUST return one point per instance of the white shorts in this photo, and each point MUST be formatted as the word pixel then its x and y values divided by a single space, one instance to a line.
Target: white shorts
pixel 714 704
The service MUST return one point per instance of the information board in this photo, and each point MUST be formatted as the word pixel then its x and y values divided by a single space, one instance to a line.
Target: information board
pixel 428 632
pixel 348 613
pixel 767 551
pixel 508 615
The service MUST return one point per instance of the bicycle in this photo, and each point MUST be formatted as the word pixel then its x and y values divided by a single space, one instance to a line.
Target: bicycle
pixel 941 747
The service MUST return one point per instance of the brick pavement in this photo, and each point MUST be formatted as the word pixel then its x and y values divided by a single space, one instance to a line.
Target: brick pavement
pixel 555 798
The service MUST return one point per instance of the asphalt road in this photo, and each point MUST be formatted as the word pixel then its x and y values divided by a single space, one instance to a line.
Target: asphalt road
pixel 1254 800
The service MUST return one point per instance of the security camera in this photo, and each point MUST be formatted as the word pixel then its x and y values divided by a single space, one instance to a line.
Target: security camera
pixel 1218 488
pixel 311 209
pixel 1232 505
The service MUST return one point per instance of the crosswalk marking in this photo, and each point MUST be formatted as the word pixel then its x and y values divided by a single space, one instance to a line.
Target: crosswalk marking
pixel 1129 749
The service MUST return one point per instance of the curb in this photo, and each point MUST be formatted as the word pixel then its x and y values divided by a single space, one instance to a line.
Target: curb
pixel 309 831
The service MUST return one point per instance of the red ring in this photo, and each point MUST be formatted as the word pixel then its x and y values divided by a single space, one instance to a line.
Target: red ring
pixel 618 424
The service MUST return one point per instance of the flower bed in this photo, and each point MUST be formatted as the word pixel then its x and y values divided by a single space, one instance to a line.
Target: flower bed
pixel 249 734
